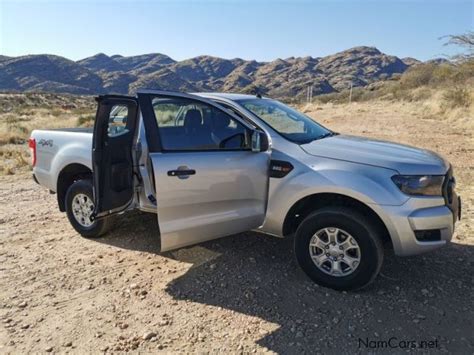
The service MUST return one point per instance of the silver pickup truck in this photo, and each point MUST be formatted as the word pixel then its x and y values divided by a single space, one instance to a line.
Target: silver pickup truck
pixel 214 164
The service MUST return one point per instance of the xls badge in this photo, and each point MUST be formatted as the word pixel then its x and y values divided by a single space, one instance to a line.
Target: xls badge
pixel 46 142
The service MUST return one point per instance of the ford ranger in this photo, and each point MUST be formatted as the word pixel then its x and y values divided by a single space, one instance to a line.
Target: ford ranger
pixel 214 164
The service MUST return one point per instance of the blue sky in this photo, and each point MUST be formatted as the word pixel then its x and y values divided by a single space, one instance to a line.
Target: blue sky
pixel 262 30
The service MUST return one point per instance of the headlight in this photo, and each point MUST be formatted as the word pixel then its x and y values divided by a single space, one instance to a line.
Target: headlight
pixel 425 185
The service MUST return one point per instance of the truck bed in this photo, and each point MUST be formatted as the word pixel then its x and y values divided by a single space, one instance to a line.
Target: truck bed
pixel 58 148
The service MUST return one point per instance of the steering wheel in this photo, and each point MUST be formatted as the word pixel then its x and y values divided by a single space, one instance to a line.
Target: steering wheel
pixel 225 140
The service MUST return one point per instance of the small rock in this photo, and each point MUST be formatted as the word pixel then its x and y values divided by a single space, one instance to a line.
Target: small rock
pixel 49 349
pixel 123 325
pixel 133 286
pixel 163 322
pixel 68 344
pixel 148 335
pixel 23 304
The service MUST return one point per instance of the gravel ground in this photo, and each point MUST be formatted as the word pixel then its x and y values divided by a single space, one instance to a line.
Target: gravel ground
pixel 245 293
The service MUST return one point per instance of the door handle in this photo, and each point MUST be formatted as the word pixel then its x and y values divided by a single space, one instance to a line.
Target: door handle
pixel 181 172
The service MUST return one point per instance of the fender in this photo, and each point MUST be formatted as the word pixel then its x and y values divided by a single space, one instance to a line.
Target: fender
pixel 71 154
pixel 366 184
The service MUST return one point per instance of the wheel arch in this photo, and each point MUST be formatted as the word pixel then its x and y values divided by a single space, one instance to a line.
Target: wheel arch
pixel 303 207
pixel 67 176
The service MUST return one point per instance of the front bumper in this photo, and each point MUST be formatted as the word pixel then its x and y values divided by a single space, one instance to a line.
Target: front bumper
pixel 420 214
pixel 424 223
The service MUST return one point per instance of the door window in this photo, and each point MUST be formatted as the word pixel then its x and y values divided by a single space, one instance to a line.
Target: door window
pixel 190 125
pixel 118 119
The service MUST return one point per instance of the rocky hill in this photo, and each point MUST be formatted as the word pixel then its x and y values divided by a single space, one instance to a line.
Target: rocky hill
pixel 288 77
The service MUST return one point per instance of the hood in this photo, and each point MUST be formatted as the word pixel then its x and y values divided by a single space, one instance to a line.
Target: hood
pixel 402 158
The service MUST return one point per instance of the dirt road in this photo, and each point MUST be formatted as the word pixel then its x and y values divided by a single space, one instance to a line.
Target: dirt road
pixel 63 293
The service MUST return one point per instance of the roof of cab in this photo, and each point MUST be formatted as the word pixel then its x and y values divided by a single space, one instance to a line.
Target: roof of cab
pixel 209 95
pixel 224 95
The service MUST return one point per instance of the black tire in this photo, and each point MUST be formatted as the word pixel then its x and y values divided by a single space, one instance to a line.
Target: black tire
pixel 98 227
pixel 360 228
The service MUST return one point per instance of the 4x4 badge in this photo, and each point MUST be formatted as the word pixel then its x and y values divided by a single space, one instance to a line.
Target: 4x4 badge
pixel 46 142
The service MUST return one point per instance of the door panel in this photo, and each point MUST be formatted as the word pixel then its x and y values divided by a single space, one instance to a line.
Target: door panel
pixel 208 182
pixel 227 194
pixel 114 133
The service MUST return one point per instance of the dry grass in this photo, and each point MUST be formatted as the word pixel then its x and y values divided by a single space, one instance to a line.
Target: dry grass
pixel 419 83
pixel 450 105
pixel 20 114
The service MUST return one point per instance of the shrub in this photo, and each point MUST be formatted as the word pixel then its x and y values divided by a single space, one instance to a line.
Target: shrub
pixel 443 73
pixel 86 121
pixel 56 112
pixel 417 76
pixel 457 97
pixel 11 138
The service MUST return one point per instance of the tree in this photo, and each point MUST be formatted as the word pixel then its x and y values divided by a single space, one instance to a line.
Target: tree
pixel 465 41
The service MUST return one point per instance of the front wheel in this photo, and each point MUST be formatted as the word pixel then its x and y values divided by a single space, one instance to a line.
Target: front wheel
pixel 79 207
pixel 339 248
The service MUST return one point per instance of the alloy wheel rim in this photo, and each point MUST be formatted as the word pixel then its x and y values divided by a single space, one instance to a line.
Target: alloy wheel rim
pixel 334 251
pixel 82 207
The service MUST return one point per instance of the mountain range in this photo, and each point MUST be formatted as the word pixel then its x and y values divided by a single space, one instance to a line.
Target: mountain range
pixel 288 77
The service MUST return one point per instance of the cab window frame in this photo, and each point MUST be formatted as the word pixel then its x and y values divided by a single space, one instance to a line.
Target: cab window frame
pixel 202 102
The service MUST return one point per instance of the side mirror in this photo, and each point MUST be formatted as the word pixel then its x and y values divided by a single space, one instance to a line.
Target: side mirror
pixel 259 141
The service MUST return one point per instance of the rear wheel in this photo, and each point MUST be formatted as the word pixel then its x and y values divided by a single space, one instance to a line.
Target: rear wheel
pixel 339 248
pixel 79 207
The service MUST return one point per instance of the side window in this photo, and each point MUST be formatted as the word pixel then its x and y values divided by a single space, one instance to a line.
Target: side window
pixel 192 125
pixel 118 119
pixel 167 112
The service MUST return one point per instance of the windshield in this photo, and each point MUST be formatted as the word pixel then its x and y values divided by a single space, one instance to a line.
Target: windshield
pixel 291 124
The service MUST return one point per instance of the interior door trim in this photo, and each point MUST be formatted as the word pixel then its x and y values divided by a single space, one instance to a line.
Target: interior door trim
pixel 99 140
